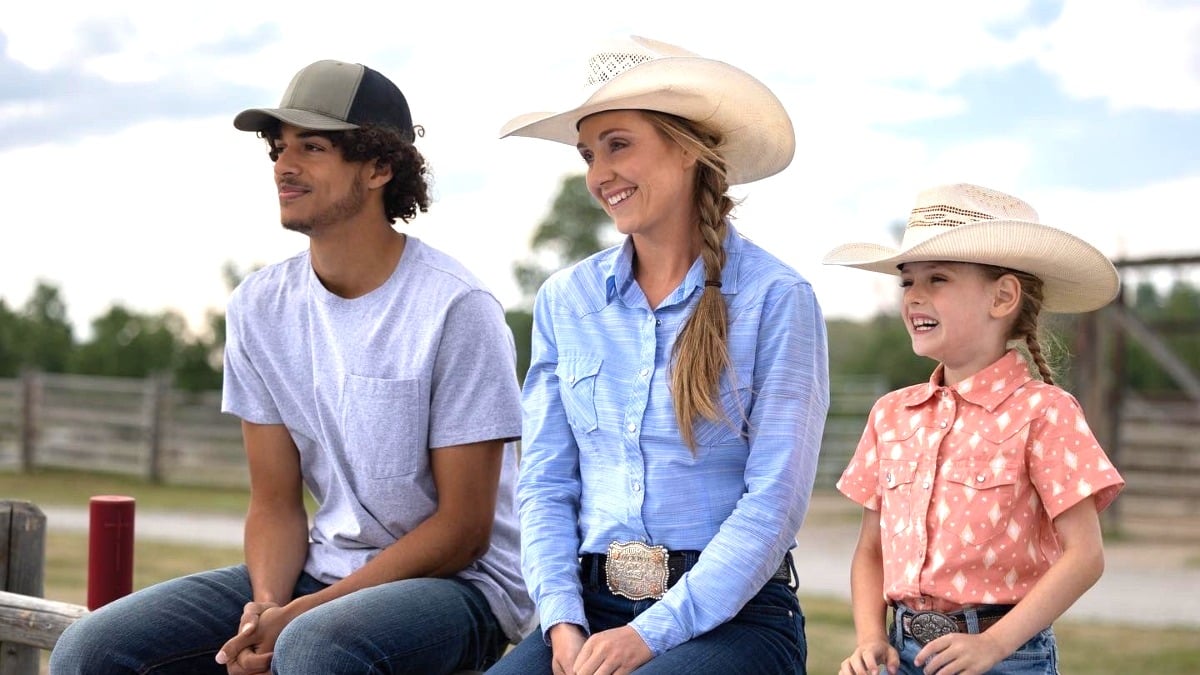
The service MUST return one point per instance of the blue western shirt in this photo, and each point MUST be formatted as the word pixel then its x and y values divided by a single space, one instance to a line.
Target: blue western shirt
pixel 602 456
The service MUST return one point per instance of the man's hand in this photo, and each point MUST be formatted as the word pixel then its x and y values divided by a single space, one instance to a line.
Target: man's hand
pixel 250 651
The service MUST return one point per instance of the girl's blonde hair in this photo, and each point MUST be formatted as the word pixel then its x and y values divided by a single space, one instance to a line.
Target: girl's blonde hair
pixel 701 351
pixel 1026 328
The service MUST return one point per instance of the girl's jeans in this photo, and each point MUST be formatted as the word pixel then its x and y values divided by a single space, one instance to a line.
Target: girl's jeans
pixel 1038 656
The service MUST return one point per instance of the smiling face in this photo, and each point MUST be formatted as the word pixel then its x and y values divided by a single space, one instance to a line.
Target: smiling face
pixel 318 188
pixel 957 314
pixel 643 180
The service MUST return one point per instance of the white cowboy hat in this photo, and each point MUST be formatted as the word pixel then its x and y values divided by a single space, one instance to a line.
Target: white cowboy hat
pixel 644 74
pixel 969 223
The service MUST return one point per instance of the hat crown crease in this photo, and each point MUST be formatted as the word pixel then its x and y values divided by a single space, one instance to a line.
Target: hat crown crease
pixel 605 66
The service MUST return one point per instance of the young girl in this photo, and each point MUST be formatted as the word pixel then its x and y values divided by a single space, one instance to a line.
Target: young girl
pixel 980 488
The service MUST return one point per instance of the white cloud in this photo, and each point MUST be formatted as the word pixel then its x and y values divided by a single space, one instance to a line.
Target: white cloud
pixel 147 216
pixel 1131 53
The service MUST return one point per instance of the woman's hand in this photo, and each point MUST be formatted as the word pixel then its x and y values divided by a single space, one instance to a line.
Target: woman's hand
pixel 612 652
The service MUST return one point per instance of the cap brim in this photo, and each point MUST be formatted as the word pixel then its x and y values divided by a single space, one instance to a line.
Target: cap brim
pixel 258 119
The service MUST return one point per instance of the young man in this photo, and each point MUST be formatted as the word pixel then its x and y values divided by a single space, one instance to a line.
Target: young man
pixel 379 373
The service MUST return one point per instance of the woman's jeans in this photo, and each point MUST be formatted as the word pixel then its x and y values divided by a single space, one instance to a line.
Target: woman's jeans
pixel 411 626
pixel 766 636
pixel 1038 656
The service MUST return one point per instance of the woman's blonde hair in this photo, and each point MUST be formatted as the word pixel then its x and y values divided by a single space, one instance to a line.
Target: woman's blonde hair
pixel 701 351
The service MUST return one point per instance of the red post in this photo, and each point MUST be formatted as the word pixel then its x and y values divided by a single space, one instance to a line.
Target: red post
pixel 110 549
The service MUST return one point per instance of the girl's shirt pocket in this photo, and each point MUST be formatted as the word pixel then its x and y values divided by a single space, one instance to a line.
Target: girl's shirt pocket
pixel 983 483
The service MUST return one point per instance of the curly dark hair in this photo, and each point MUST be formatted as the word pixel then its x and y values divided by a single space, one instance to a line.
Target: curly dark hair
pixel 408 191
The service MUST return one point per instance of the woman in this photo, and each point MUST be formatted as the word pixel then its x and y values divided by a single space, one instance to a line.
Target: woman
pixel 677 391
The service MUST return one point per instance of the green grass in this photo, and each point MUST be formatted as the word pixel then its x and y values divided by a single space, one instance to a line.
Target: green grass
pixel 1098 649
pixel 45 487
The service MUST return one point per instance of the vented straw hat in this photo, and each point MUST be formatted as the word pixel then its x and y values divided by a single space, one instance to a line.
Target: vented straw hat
pixel 969 223
pixel 644 74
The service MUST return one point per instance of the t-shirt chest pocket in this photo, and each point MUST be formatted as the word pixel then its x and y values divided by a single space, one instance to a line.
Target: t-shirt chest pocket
pixel 577 389
pixel 382 428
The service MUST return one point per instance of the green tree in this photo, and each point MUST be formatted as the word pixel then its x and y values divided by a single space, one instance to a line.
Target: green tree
pixel 1176 316
pixel 879 346
pixel 575 228
pixel 10 338
pixel 44 337
pixel 199 366
pixel 129 344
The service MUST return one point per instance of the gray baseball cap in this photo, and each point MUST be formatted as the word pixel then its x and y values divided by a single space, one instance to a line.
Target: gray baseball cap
pixel 334 96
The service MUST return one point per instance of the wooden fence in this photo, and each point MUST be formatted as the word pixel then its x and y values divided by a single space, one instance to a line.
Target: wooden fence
pixel 1160 461
pixel 145 428
pixel 119 425
pixel 28 623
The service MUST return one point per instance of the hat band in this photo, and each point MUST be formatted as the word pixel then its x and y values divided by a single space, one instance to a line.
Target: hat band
pixel 941 214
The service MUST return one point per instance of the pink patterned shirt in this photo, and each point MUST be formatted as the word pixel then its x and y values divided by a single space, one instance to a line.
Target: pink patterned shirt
pixel 967 480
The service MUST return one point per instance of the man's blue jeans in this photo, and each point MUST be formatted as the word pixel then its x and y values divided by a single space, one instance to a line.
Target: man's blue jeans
pixel 1038 656
pixel 766 636
pixel 412 626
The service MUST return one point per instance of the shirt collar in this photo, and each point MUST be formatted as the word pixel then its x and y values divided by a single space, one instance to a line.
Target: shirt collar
pixel 987 388
pixel 618 278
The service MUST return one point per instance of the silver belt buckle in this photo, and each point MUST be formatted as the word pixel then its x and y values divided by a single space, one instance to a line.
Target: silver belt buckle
pixel 929 626
pixel 636 571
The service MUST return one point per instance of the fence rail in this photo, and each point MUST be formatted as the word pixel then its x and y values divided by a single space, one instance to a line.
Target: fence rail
pixel 145 428
pixel 119 425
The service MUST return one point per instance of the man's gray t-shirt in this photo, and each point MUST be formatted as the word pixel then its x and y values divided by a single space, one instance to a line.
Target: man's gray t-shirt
pixel 367 387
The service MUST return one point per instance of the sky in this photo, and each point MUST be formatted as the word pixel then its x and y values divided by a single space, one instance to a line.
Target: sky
pixel 123 181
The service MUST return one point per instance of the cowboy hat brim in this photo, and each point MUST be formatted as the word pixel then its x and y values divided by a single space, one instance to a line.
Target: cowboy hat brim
pixel 759 139
pixel 1076 276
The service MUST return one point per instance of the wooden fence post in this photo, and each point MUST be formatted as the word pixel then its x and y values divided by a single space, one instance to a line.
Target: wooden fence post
pixel 22 563
pixel 158 388
pixel 31 395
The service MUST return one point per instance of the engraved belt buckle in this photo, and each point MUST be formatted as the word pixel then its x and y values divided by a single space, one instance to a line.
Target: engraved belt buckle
pixel 929 626
pixel 636 571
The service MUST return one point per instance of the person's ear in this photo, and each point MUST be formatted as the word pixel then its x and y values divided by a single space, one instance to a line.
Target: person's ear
pixel 689 158
pixel 1006 296
pixel 379 175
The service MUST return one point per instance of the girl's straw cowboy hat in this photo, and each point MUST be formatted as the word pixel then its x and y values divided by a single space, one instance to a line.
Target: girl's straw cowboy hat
pixel 969 223
pixel 644 74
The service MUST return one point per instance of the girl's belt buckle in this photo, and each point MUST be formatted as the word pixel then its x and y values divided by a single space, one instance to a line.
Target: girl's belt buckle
pixel 636 571
pixel 929 626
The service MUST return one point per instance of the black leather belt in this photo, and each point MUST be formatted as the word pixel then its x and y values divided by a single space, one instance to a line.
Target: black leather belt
pixel 927 626
pixel 678 562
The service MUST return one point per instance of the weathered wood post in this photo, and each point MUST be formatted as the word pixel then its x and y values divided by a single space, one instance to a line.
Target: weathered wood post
pixel 158 389
pixel 22 561
pixel 31 395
